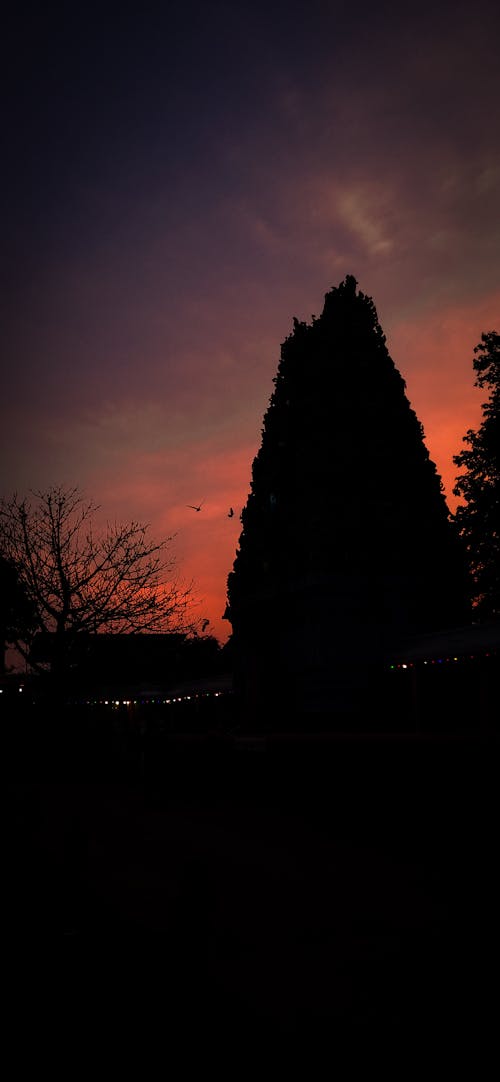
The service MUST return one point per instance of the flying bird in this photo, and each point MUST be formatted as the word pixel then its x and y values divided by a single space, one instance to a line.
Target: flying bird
pixel 193 508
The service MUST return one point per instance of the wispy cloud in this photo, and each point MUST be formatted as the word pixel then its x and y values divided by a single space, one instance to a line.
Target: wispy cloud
pixel 181 220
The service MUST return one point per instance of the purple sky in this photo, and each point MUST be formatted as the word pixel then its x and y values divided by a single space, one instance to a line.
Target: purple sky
pixel 178 184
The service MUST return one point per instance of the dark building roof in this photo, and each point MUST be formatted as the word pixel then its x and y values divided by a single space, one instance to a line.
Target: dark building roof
pixel 472 640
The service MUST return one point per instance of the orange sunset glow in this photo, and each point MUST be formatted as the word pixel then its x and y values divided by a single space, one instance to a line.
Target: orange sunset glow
pixel 187 184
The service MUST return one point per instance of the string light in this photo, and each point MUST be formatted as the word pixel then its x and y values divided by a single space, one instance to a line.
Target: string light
pixel 441 660
pixel 150 701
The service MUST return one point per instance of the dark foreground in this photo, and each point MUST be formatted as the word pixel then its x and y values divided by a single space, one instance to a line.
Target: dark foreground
pixel 286 887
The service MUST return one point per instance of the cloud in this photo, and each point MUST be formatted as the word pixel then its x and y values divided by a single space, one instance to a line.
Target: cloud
pixel 155 275
pixel 363 217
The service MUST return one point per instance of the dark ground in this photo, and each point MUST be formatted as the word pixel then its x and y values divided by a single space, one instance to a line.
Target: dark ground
pixel 289 887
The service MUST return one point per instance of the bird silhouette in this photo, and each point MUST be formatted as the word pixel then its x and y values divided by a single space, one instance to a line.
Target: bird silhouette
pixel 193 508
pixel 230 513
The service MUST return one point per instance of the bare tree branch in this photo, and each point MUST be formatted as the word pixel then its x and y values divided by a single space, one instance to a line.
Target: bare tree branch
pixel 79 581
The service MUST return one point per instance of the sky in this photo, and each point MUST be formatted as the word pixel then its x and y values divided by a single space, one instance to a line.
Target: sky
pixel 179 182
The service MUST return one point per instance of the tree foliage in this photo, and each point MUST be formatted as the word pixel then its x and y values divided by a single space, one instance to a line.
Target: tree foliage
pixel 346 533
pixel 478 519
pixel 76 580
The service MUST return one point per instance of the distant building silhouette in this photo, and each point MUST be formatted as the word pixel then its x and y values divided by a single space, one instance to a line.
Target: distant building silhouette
pixel 347 547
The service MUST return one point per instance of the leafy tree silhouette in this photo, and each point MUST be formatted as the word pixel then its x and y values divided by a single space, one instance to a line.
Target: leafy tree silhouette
pixel 478 519
pixel 347 543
